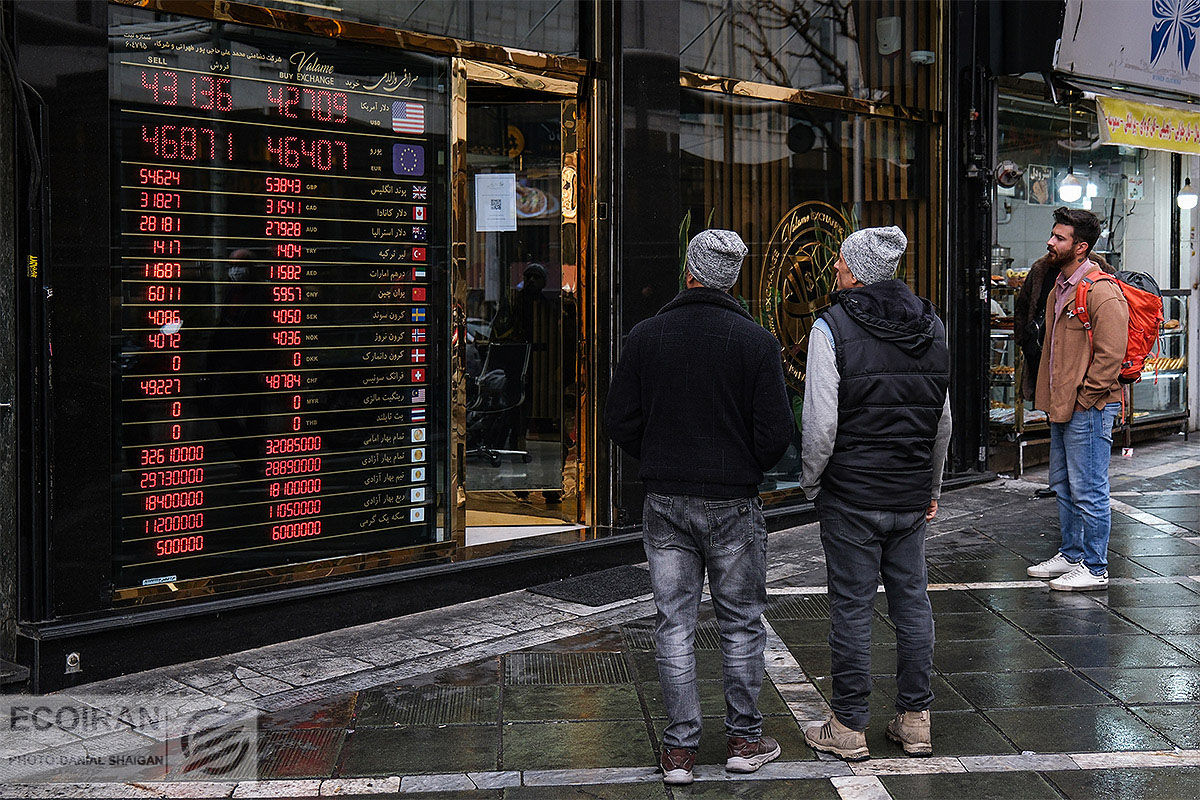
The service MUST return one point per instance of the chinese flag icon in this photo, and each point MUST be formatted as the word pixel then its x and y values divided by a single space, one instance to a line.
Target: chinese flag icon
pixel 418 254
pixel 418 375
pixel 418 294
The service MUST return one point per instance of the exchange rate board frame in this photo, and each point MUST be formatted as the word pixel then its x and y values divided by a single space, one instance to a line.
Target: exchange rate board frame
pixel 279 285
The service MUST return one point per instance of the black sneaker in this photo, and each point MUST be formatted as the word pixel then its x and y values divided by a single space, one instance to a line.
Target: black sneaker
pixel 677 766
pixel 747 756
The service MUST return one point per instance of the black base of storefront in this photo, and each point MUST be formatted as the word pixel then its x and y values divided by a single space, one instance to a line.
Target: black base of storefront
pixel 133 641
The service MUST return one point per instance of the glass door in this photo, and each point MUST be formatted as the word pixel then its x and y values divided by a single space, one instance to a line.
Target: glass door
pixel 518 295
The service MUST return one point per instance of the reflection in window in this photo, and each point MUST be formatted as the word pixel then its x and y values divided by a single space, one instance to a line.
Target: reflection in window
pixel 792 181
pixel 850 47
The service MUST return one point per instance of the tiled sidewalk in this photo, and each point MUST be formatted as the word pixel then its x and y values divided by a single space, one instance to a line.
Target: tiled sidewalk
pixel 1039 694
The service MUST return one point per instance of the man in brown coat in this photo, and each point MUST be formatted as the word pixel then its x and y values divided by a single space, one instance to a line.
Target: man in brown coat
pixel 1077 387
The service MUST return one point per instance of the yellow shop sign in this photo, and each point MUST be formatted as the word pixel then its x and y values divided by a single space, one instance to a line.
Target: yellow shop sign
pixel 1143 125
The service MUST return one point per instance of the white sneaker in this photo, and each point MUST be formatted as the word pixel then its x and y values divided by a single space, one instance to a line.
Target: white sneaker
pixel 1051 567
pixel 1080 579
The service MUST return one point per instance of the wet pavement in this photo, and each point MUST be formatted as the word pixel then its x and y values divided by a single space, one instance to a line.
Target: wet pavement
pixel 1038 694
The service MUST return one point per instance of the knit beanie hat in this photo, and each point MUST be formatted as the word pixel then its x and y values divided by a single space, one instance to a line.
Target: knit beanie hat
pixel 873 254
pixel 714 257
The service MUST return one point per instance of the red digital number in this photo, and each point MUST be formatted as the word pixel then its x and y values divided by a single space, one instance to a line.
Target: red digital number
pixel 296 508
pixel 280 227
pixel 286 338
pixel 163 201
pixel 179 522
pixel 286 294
pixel 181 544
pixel 292 466
pixel 162 270
pixel 172 477
pixel 162 341
pixel 282 380
pixel 287 250
pixel 295 530
pixel 285 272
pixel 319 154
pixel 286 316
pixel 283 185
pixel 158 177
pixel 158 387
pixel 163 316
pixel 173 500
pixel 293 444
pixel 161 294
pixel 184 454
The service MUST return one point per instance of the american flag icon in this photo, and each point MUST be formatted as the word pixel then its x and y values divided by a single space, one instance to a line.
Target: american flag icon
pixel 418 334
pixel 418 355
pixel 420 192
pixel 408 117
pixel 418 415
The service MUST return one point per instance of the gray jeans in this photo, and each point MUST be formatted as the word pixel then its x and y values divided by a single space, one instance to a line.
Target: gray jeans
pixel 862 545
pixel 684 535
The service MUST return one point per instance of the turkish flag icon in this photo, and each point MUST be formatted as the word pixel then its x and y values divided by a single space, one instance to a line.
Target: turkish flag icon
pixel 418 375
pixel 418 254
pixel 418 294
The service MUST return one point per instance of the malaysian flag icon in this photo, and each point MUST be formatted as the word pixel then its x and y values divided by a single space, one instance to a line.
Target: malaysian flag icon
pixel 417 415
pixel 418 315
pixel 408 117
pixel 418 334
pixel 418 395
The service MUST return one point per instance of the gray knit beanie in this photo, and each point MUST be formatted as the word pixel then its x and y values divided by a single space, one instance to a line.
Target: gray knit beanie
pixel 714 257
pixel 873 254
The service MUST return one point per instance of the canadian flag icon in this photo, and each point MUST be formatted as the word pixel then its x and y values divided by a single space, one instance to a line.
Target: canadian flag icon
pixel 418 213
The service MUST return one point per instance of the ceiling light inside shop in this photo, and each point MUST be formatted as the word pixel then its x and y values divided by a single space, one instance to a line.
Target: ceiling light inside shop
pixel 1069 188
pixel 1092 189
pixel 1187 195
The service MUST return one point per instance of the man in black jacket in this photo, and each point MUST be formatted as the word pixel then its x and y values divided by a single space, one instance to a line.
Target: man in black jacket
pixel 698 397
pixel 876 430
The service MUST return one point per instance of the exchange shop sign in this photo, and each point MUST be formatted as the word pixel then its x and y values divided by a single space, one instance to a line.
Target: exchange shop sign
pixel 1137 124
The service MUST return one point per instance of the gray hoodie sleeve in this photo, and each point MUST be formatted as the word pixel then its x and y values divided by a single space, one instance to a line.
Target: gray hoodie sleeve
pixel 820 418
pixel 941 445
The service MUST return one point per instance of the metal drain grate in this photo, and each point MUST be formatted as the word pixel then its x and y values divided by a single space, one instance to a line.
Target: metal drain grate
pixel 708 637
pixel 808 606
pixel 563 669
pixel 442 705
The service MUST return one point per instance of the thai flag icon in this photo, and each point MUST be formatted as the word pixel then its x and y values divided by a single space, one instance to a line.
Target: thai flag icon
pixel 418 213
pixel 418 474
pixel 418 254
pixel 416 515
pixel 418 315
pixel 420 192
pixel 418 294
pixel 418 415
pixel 408 117
pixel 418 355
pixel 418 375
pixel 418 434
pixel 418 334
pixel 417 495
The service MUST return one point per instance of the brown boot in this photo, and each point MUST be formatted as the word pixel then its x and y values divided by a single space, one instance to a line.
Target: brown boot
pixel 747 756
pixel 835 738
pixel 677 766
pixel 911 730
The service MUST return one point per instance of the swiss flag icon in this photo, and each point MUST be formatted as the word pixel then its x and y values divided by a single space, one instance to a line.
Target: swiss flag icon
pixel 418 375
pixel 418 254
pixel 418 213
pixel 418 294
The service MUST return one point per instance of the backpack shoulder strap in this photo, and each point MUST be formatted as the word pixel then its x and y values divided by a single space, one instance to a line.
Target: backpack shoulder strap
pixel 1079 310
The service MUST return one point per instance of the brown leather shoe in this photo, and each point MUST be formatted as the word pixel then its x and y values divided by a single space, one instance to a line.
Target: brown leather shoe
pixel 677 766
pixel 910 729
pixel 747 756
pixel 836 739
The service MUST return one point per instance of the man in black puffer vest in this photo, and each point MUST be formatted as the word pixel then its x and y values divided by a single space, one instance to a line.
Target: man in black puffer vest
pixel 698 397
pixel 875 433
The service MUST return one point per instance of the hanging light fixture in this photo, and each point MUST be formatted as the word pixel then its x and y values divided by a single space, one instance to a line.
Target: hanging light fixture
pixel 1186 198
pixel 1069 188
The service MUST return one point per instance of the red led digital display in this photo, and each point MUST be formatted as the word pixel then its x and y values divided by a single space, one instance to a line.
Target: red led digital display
pixel 276 236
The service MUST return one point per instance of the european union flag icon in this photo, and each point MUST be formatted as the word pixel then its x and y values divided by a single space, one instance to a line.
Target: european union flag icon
pixel 408 159
pixel 418 315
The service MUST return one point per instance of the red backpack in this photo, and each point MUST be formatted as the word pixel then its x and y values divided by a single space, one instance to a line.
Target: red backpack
pixel 1145 316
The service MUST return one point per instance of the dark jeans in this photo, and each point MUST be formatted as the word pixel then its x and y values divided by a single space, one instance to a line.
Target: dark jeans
pixel 860 546
pixel 683 535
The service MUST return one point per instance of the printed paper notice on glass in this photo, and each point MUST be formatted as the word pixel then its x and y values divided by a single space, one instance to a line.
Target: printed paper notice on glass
pixel 496 202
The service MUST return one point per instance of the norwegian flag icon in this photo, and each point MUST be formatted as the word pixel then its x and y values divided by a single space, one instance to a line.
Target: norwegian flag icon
pixel 420 192
pixel 418 355
pixel 418 254
pixel 418 334
pixel 418 294
pixel 418 375
pixel 418 213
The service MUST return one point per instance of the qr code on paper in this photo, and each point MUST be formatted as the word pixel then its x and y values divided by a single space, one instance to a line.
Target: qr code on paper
pixel 496 203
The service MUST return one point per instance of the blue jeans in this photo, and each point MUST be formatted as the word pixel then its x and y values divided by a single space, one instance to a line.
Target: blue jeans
pixel 861 545
pixel 1079 455
pixel 684 535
